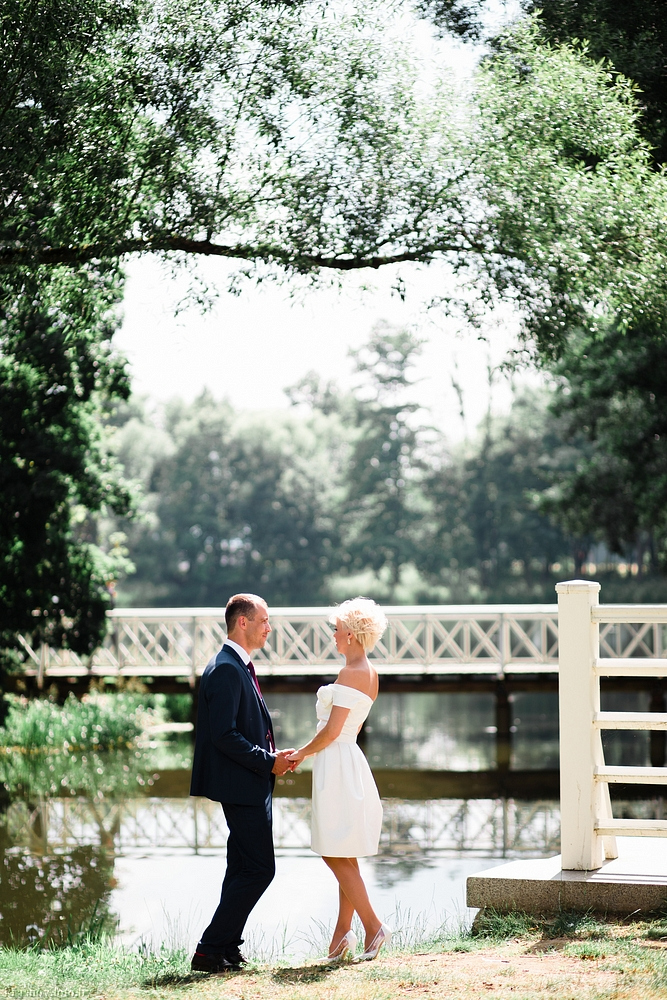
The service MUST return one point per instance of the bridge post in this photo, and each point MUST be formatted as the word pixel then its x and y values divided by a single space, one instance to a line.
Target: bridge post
pixel 43 664
pixel 503 727
pixel 503 705
pixel 580 743
pixel 194 659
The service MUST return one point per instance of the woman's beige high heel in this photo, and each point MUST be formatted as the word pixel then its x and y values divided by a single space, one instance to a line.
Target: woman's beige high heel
pixel 383 936
pixel 347 943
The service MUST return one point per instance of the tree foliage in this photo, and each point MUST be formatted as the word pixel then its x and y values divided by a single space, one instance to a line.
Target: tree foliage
pixel 348 490
pixel 294 135
pixel 56 368
pixel 576 203
pixel 631 36
pixel 236 505
pixel 297 137
pixel 610 399
pixel 483 524
pixel 383 505
pixel 281 133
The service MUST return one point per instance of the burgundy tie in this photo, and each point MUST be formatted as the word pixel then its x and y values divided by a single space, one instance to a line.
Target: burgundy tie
pixel 251 670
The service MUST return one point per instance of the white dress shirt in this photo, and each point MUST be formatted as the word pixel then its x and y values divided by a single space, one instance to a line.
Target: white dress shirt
pixel 238 649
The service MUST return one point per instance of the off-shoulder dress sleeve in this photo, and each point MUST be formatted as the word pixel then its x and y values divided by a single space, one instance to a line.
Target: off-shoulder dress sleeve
pixel 346 697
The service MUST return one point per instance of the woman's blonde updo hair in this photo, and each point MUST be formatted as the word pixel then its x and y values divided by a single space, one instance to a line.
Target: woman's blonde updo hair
pixel 364 618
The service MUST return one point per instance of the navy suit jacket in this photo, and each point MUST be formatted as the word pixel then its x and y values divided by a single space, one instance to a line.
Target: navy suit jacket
pixel 232 761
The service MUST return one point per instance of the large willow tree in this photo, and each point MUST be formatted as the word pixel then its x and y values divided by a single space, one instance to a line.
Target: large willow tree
pixel 296 138
pixel 269 132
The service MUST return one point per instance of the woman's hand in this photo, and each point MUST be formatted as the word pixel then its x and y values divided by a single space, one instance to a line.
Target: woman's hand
pixel 322 738
pixel 295 758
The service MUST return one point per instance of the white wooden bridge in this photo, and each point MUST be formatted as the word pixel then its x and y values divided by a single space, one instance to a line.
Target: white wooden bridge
pixel 421 642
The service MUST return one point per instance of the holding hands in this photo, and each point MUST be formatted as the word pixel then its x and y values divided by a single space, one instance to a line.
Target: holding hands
pixel 296 757
pixel 282 764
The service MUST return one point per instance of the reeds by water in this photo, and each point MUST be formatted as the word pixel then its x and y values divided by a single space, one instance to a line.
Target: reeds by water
pixel 97 723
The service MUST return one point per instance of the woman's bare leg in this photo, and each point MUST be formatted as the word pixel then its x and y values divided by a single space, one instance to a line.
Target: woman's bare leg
pixel 344 921
pixel 352 888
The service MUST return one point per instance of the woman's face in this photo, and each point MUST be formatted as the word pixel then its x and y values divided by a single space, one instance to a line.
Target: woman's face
pixel 340 637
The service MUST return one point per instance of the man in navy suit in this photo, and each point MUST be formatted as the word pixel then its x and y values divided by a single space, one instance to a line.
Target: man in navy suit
pixel 235 763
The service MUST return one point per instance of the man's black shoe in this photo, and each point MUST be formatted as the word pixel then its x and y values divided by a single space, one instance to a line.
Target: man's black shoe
pixel 212 963
pixel 234 956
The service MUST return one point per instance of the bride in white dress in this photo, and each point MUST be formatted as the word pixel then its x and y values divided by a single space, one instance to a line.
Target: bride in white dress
pixel 346 808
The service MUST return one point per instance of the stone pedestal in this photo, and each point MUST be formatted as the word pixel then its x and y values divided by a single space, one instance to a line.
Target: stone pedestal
pixel 636 881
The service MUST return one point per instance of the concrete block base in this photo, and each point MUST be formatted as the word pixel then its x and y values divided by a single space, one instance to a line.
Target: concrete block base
pixel 636 881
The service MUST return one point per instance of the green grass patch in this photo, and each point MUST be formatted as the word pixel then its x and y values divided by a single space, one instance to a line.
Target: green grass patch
pixel 494 926
pixel 491 925
pixel 92 747
pixel 90 968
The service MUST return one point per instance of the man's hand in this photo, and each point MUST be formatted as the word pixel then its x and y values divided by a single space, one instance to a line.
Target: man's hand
pixel 281 765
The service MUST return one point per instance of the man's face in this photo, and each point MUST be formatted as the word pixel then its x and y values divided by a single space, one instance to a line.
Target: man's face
pixel 257 628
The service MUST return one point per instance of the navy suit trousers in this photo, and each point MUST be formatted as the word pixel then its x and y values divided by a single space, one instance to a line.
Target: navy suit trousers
pixel 251 866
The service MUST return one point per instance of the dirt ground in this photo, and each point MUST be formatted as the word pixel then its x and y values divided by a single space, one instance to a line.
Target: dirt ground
pixel 558 969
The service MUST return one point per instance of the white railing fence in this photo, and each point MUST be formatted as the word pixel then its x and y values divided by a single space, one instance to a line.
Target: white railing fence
pixel 495 640
pixel 420 640
pixel 588 829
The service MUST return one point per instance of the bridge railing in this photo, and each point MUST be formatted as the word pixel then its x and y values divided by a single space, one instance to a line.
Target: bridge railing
pixel 421 640
pixel 587 630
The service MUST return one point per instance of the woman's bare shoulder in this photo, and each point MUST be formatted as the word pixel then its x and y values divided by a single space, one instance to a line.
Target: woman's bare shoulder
pixel 362 678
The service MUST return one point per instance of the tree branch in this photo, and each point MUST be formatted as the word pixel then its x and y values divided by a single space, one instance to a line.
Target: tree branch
pixel 32 257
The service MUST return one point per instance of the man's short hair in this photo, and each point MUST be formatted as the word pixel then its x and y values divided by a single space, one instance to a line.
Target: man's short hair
pixel 242 605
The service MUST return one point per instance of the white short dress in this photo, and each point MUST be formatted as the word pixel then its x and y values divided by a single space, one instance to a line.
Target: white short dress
pixel 347 812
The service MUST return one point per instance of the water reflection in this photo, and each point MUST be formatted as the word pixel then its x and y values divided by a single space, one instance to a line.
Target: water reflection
pixel 55 887
pixel 411 830
pixel 54 897
pixel 457 731
pixel 66 819
pixel 434 731
pixel 534 731
pixel 629 748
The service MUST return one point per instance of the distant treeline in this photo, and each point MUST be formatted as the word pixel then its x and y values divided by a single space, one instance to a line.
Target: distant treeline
pixel 351 491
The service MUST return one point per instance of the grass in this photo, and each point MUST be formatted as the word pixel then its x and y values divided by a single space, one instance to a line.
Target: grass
pixel 96 724
pixel 516 956
pixel 92 747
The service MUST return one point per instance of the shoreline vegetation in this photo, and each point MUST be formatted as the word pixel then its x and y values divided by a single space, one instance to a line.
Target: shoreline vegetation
pixel 98 721
pixel 104 745
pixel 516 955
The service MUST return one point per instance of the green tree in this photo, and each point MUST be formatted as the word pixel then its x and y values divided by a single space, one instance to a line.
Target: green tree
pixel 610 402
pixel 270 132
pixel 611 376
pixel 287 135
pixel 576 200
pixel 238 505
pixel 384 506
pixel 290 135
pixel 487 540
pixel 381 507
pixel 632 36
pixel 56 370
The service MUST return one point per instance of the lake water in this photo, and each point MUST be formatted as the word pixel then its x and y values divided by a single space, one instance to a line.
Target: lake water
pixel 137 852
